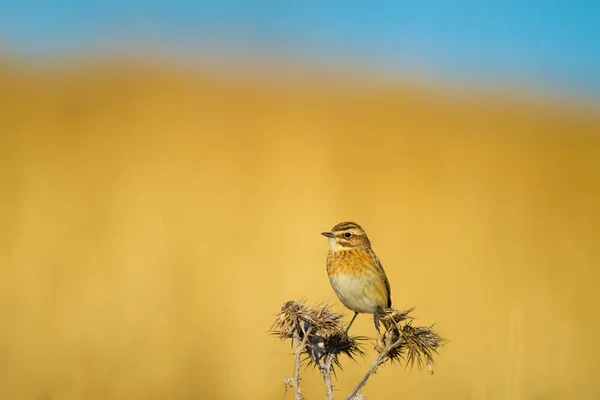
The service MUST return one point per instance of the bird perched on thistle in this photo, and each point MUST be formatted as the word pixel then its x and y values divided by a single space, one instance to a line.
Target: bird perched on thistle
pixel 355 272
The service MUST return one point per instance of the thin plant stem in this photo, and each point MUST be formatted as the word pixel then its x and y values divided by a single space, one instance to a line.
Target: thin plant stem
pixel 378 361
pixel 298 349
pixel 296 377
pixel 326 372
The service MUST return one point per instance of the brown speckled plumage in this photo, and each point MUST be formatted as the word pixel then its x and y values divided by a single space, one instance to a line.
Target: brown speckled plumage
pixel 365 264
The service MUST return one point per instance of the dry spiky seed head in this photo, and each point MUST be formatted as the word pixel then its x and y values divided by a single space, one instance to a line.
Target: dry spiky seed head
pixel 323 330
pixel 403 341
pixel 325 335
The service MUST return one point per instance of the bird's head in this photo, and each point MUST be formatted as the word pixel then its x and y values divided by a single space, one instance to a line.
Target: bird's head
pixel 347 236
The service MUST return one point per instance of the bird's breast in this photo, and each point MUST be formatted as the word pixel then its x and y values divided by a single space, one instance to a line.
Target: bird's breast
pixel 357 281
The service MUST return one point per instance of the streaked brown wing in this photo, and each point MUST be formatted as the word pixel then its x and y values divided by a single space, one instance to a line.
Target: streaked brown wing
pixel 385 280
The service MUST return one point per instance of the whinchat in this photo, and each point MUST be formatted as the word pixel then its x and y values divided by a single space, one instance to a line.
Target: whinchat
pixel 355 272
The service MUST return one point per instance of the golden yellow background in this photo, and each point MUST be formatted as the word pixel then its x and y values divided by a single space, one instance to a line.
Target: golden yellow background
pixel 153 221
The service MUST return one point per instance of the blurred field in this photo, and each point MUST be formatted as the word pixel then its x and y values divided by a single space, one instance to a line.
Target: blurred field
pixel 153 221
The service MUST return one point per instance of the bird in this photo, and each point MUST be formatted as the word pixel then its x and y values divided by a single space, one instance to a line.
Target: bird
pixel 355 273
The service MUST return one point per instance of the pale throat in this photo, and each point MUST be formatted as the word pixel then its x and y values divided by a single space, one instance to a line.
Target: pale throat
pixel 332 245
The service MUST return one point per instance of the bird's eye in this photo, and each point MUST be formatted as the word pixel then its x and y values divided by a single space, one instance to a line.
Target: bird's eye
pixel 347 234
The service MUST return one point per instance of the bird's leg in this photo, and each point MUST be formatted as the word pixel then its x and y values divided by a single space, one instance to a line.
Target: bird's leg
pixel 351 321
pixel 376 320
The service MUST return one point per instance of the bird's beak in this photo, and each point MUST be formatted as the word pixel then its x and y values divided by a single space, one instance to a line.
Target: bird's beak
pixel 328 234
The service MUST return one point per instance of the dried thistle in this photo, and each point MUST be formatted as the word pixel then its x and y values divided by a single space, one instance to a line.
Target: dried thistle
pixel 318 334
pixel 322 328
pixel 416 345
pixel 402 341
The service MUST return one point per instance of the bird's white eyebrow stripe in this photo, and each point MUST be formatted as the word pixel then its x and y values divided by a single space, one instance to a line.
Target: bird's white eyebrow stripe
pixel 352 230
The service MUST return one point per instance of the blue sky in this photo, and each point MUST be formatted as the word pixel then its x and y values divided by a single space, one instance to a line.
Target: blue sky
pixel 554 42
